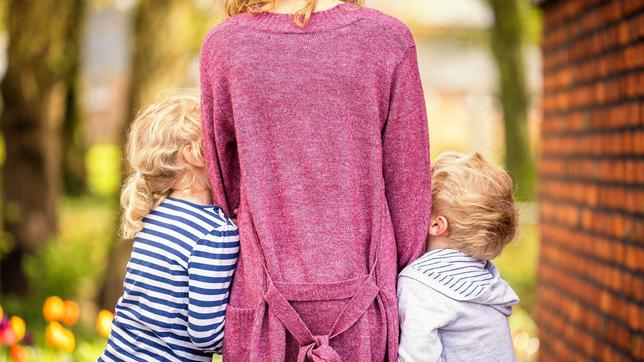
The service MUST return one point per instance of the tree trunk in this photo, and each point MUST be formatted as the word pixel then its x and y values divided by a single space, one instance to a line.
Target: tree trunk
pixel 164 45
pixel 507 47
pixel 74 147
pixel 34 96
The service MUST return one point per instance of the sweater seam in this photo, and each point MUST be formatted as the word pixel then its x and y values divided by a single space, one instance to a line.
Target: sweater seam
pixel 206 71
pixel 400 63
pixel 261 29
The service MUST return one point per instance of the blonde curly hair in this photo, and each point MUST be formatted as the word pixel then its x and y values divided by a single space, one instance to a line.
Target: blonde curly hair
pixel 301 17
pixel 477 200
pixel 156 140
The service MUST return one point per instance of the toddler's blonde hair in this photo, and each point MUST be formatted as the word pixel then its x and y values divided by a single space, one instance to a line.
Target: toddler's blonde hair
pixel 156 139
pixel 477 200
pixel 301 17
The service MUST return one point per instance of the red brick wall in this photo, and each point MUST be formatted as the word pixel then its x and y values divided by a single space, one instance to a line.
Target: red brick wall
pixel 591 272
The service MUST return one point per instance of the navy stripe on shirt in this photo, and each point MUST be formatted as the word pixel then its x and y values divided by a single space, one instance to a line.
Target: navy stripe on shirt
pixel 176 286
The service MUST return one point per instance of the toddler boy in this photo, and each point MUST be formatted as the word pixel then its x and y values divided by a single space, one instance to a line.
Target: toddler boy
pixel 453 304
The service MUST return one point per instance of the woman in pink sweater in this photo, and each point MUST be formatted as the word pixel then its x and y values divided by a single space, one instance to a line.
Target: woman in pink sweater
pixel 316 138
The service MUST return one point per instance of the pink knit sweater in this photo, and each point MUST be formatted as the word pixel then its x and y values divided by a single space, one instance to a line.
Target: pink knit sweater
pixel 318 135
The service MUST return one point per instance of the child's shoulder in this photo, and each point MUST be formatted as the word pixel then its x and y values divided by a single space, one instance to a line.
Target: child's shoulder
pixel 453 274
pixel 192 220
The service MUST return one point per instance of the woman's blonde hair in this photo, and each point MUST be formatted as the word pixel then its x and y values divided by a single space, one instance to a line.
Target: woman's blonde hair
pixel 156 140
pixel 477 200
pixel 301 17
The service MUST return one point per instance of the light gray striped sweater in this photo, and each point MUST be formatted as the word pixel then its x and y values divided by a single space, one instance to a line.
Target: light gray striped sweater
pixel 454 308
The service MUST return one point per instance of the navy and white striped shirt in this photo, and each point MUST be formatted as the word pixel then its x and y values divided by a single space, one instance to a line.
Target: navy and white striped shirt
pixel 176 286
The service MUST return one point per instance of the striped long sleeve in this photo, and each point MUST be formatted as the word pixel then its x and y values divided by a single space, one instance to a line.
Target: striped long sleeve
pixel 176 286
pixel 210 272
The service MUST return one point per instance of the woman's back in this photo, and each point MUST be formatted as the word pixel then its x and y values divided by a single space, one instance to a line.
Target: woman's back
pixel 319 136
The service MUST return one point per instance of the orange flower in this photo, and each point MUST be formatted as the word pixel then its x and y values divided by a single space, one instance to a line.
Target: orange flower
pixel 104 322
pixel 72 312
pixel 19 327
pixel 54 309
pixel 1 312
pixel 18 353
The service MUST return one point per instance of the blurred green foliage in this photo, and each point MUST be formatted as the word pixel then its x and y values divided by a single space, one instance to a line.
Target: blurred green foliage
pixel 103 164
pixel 518 264
pixel 3 12
pixel 86 351
pixel 532 23
pixel 71 265
pixel 464 36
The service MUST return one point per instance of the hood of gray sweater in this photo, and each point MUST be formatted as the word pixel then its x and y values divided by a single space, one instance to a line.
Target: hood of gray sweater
pixel 464 278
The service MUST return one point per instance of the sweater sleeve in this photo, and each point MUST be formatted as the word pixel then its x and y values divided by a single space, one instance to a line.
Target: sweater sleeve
pixel 406 161
pixel 210 271
pixel 219 141
pixel 422 312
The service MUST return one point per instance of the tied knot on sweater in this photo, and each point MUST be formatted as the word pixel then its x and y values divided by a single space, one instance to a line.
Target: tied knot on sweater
pixel 319 351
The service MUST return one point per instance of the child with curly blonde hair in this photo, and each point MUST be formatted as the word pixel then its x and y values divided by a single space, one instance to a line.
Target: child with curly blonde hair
pixel 453 304
pixel 185 249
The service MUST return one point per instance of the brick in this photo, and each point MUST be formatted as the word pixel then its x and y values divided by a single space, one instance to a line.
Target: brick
pixel 637 347
pixel 591 185
pixel 632 6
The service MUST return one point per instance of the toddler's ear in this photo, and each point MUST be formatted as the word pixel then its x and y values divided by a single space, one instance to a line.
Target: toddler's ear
pixel 438 226
pixel 192 156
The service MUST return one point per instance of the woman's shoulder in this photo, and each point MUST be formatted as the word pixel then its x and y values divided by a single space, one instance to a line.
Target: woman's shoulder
pixel 385 21
pixel 224 33
pixel 375 23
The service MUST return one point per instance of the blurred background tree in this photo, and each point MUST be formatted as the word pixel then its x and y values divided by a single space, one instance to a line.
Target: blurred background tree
pixel 507 43
pixel 42 62
pixel 73 140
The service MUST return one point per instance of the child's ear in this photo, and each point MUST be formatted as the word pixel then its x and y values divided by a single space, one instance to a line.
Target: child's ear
pixel 192 156
pixel 438 226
